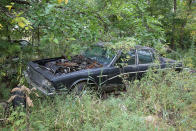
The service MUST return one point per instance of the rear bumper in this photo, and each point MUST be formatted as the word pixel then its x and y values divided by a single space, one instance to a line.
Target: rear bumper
pixel 33 84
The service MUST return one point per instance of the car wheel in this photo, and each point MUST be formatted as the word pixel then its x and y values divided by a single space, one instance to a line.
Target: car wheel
pixel 82 88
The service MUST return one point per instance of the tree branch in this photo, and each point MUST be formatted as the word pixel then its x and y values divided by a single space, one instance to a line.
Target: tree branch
pixel 21 2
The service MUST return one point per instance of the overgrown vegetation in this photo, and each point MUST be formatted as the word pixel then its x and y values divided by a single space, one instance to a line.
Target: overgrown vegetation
pixel 62 27
pixel 161 101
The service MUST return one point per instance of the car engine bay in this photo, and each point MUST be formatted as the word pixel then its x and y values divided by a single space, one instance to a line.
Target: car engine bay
pixel 75 63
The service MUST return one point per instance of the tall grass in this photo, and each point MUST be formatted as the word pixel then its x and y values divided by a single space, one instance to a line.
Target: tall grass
pixel 160 101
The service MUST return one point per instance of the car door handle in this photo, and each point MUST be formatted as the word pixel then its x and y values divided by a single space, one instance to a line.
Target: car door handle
pixel 102 76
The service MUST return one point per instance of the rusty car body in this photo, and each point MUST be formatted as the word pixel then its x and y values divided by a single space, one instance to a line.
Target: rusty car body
pixel 97 66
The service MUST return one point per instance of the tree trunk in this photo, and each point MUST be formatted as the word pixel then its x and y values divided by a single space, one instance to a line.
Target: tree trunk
pixel 38 36
pixel 184 24
pixel 175 6
pixel 173 46
pixel 8 34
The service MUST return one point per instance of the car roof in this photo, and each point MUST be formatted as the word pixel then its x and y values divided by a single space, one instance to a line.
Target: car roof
pixel 143 47
pixel 103 44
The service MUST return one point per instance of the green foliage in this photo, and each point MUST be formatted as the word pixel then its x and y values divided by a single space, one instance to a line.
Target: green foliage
pixel 8 49
pixel 17 119
pixel 71 25
pixel 164 96
pixel 178 21
pixel 14 25
pixel 57 27
pixel 151 22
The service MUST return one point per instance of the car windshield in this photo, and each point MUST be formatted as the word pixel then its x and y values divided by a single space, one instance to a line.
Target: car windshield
pixel 100 54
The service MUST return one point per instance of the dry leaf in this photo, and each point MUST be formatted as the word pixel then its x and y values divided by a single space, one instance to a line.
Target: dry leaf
pixel 29 101
pixel 59 1
pixel 11 99
pixel 1 26
pixel 66 1
pixel 36 94
pixel 15 89
pixel 33 89
pixel 152 119
pixel 25 89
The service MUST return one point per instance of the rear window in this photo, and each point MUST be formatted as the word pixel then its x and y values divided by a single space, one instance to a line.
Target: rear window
pixel 145 56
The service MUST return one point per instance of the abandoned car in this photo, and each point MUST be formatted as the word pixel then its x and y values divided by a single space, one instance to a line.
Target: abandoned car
pixel 97 66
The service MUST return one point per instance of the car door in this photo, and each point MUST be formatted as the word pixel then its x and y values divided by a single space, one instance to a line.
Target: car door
pixel 145 59
pixel 111 79
pixel 130 69
pixel 124 68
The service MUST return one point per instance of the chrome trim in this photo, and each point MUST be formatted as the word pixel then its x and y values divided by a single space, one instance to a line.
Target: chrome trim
pixel 118 76
pixel 84 79
pixel 102 76
pixel 133 73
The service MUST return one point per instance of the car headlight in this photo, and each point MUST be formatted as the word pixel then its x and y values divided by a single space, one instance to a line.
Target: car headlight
pixel 46 83
pixel 48 86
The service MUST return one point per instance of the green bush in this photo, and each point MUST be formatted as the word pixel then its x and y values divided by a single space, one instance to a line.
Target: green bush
pixel 167 95
pixel 159 101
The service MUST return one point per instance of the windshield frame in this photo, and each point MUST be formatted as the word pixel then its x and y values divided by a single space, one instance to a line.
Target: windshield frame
pixel 110 61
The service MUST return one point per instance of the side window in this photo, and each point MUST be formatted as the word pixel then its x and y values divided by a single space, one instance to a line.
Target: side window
pixel 145 56
pixel 131 60
pixel 127 59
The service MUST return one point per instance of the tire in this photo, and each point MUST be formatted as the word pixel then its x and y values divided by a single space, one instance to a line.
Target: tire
pixel 79 88
pixel 82 87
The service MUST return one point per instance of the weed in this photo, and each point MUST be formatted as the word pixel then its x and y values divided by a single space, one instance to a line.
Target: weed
pixel 159 101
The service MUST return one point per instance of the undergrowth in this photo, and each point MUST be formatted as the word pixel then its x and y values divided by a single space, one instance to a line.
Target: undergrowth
pixel 159 101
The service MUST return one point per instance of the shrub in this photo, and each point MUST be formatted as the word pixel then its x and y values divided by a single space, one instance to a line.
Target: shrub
pixel 159 101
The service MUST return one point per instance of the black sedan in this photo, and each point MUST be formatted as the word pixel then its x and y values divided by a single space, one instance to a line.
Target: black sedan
pixel 97 66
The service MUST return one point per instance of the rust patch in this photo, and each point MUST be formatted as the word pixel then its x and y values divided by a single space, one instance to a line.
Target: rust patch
pixel 65 65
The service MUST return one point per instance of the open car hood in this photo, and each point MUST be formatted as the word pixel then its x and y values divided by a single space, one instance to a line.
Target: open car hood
pixel 65 65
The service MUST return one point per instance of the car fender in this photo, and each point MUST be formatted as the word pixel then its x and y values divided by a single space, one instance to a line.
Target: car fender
pixel 83 80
